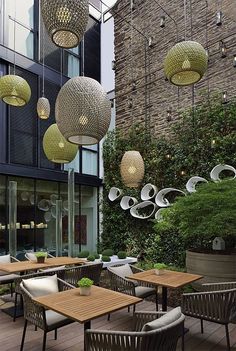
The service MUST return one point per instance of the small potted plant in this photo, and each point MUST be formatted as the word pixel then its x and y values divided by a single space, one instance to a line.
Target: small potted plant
pixel 159 268
pixel 41 256
pixel 85 286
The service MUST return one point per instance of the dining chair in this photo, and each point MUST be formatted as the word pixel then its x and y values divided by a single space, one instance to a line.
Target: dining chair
pixel 8 278
pixel 150 334
pixel 47 320
pixel 118 279
pixel 216 303
pixel 90 270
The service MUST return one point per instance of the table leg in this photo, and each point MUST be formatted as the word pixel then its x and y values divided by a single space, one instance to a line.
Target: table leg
pixel 164 298
pixel 87 325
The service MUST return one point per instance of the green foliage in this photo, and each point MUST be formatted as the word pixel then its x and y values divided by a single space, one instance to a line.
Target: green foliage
pixel 91 258
pixel 41 254
pixel 189 150
pixel 160 266
pixel 85 283
pixel 96 255
pixel 121 255
pixel 83 254
pixel 108 252
pixel 106 258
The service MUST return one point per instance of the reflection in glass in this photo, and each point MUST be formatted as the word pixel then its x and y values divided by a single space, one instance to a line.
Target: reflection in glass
pixel 12 218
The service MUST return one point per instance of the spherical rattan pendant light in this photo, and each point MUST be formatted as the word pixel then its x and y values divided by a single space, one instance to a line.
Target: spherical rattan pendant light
pixel 65 20
pixel 185 63
pixel 14 90
pixel 43 108
pixel 56 147
pixel 132 169
pixel 83 111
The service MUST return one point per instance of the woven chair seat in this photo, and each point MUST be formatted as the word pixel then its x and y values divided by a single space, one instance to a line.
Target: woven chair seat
pixel 143 291
pixel 8 278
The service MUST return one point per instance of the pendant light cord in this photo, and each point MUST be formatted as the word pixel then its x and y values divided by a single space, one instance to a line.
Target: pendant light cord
pixel 131 56
pixel 43 34
pixel 82 44
pixel 185 20
pixel 14 37
pixel 61 68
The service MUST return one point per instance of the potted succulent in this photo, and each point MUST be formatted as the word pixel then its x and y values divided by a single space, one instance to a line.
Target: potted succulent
pixel 85 286
pixel 41 256
pixel 159 268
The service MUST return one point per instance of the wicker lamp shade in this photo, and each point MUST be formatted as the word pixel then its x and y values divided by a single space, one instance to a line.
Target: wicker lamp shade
pixel 132 169
pixel 56 147
pixel 185 63
pixel 65 20
pixel 43 108
pixel 83 111
pixel 14 90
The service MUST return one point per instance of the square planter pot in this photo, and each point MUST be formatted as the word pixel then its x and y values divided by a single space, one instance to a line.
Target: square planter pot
pixel 41 259
pixel 159 271
pixel 85 291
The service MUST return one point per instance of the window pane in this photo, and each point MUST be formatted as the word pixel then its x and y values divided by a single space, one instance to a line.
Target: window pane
pixel 3 221
pixel 73 66
pixel 24 11
pixel 24 41
pixel 74 164
pixel 89 160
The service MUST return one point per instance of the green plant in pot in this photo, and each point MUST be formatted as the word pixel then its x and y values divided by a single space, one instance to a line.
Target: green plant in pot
pixel 85 286
pixel 41 256
pixel 159 268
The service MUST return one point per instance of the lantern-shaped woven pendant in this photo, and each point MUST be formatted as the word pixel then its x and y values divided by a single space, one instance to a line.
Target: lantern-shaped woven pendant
pixel 185 63
pixel 43 108
pixel 56 147
pixel 65 20
pixel 14 90
pixel 83 111
pixel 132 169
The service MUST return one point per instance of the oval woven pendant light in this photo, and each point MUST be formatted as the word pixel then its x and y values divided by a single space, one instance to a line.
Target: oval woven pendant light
pixel 132 169
pixel 185 63
pixel 56 147
pixel 14 90
pixel 65 20
pixel 43 108
pixel 83 111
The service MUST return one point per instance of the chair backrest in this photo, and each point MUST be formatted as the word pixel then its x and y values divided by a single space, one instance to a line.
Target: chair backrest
pixel 30 256
pixel 4 259
pixel 91 271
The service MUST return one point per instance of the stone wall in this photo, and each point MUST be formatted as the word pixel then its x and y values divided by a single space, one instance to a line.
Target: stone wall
pixel 150 99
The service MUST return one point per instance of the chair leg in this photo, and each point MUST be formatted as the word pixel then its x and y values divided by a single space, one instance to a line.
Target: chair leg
pixel 227 336
pixel 35 328
pixel 128 309
pixel 108 317
pixel 23 336
pixel 202 330
pixel 11 289
pixel 134 308
pixel 156 300
pixel 55 334
pixel 182 339
pixel 44 341
pixel 15 307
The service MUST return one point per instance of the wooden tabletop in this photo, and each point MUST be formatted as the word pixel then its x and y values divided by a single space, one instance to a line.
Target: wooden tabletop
pixel 23 266
pixel 85 308
pixel 169 279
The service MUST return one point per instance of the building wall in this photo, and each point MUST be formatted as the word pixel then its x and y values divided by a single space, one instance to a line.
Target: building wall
pixel 153 96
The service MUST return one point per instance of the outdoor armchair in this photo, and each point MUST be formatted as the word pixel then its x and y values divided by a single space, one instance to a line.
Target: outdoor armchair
pixel 91 271
pixel 30 256
pixel 34 313
pixel 159 335
pixel 217 304
pixel 8 278
pixel 120 283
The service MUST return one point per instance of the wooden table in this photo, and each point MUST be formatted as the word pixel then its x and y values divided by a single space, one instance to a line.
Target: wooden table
pixel 25 266
pixel 83 309
pixel 169 279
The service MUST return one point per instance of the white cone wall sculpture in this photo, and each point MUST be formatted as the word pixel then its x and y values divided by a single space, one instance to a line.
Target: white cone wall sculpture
pixel 192 182
pixel 148 192
pixel 159 214
pixel 128 202
pixel 114 194
pixel 160 199
pixel 148 205
pixel 215 172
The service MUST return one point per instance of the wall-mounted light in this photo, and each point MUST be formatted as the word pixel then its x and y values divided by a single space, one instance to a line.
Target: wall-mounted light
pixel 225 97
pixel 219 16
pixel 133 5
pixel 223 49
pixel 234 61
pixel 163 21
pixel 213 143
pixel 182 173
pixel 150 42
pixel 169 115
pixel 208 54
pixel 168 157
pixel 130 103
pixel 113 65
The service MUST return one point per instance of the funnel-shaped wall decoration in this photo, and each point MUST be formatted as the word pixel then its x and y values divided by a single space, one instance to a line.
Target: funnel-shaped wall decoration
pixel 158 214
pixel 148 192
pixel 127 202
pixel 192 182
pixel 114 194
pixel 215 173
pixel 143 210
pixel 160 199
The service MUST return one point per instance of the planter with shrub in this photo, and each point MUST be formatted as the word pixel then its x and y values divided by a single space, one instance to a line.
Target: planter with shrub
pixel 85 286
pixel 108 252
pixel 91 258
pixel 41 256
pixel 83 254
pixel 106 258
pixel 121 255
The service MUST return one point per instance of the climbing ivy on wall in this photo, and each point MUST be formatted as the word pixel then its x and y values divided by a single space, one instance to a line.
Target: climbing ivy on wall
pixel 171 161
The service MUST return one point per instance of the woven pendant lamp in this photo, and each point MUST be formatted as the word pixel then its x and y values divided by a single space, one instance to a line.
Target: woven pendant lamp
pixel 185 63
pixel 43 108
pixel 83 111
pixel 65 20
pixel 14 90
pixel 132 169
pixel 56 148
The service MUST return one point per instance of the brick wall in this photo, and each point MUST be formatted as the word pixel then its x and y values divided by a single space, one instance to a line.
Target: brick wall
pixel 153 96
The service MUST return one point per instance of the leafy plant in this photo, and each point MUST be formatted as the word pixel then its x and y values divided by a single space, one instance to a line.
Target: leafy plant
pixel 96 255
pixel 83 254
pixel 91 258
pixel 85 283
pixel 121 255
pixel 160 266
pixel 108 252
pixel 106 258
pixel 40 254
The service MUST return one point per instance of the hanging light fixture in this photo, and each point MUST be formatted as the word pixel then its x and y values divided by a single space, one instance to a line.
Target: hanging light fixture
pixel 132 169
pixel 185 63
pixel 223 49
pixel 219 16
pixel 56 147
pixel 83 111
pixel 43 105
pixel 65 20
pixel 14 90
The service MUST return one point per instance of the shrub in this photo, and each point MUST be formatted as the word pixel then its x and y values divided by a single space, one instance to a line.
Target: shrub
pixel 160 266
pixel 121 255
pixel 96 255
pixel 85 282
pixel 106 258
pixel 108 252
pixel 83 254
pixel 91 258
pixel 41 254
